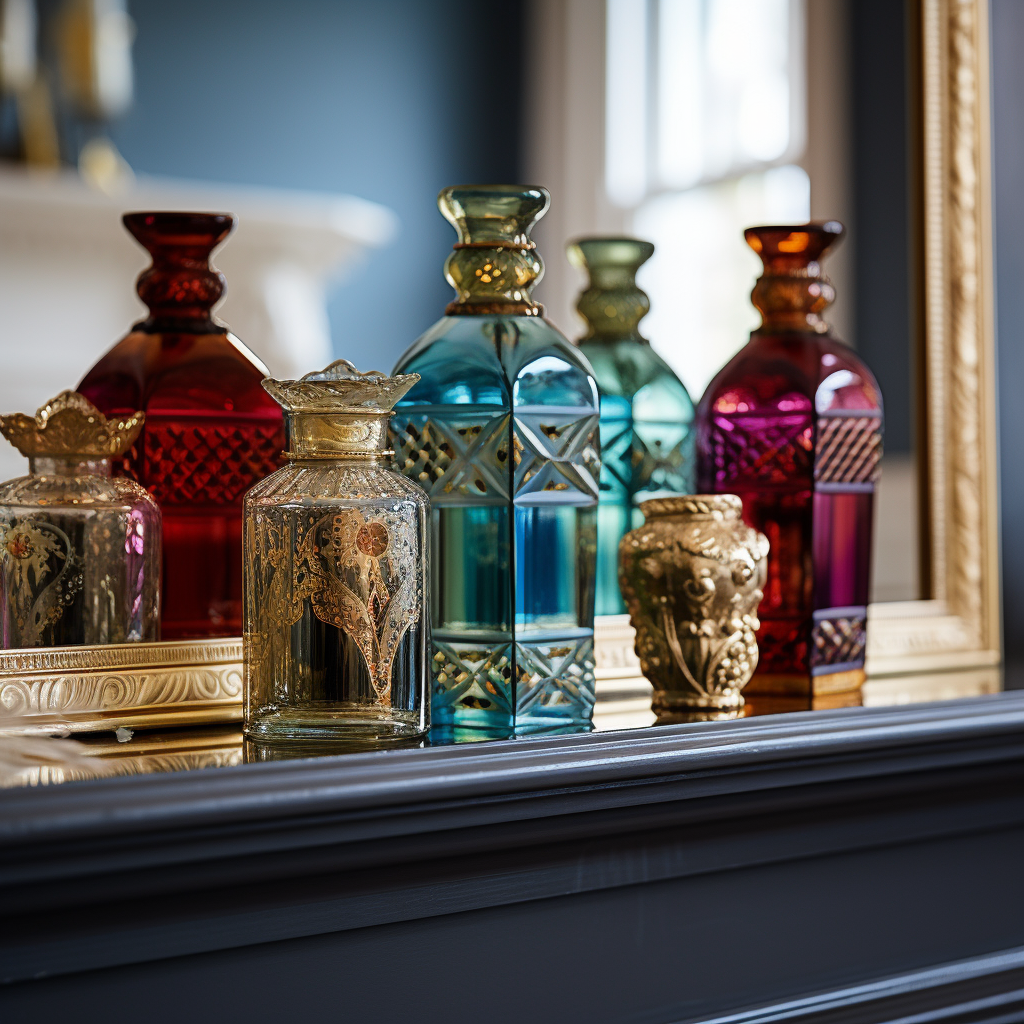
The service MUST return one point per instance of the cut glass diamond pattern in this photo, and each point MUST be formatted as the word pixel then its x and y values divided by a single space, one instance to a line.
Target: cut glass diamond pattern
pixel 555 678
pixel 474 676
pixel 769 450
pixel 658 468
pixel 616 457
pixel 558 453
pixel 208 464
pixel 454 455
pixel 849 449
pixel 839 641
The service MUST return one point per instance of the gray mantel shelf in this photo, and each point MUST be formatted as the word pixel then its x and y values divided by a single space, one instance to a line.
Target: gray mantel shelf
pixel 657 875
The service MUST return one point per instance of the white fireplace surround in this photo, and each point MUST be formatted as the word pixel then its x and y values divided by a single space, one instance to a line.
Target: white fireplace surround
pixel 68 269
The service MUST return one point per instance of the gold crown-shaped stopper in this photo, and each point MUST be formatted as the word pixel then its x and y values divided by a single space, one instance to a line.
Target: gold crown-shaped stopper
pixel 71 425
pixel 338 411
pixel 340 387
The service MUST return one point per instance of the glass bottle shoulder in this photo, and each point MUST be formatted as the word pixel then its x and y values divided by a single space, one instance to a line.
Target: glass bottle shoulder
pixel 345 484
pixel 90 493
pixel 790 373
pixel 203 372
pixel 632 372
pixel 499 361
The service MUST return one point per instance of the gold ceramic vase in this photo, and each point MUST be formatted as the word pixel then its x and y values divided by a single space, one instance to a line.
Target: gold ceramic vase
pixel 692 579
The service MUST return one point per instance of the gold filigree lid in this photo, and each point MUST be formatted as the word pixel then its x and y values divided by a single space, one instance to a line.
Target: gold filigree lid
pixel 71 425
pixel 340 387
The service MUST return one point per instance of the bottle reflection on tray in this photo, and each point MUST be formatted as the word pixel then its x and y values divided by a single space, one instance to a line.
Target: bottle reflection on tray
pixel 793 425
pixel 646 412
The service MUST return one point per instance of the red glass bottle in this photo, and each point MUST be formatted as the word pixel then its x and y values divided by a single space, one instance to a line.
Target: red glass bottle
pixel 793 424
pixel 211 430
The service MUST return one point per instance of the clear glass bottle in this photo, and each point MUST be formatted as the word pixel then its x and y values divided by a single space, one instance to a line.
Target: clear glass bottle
pixel 336 621
pixel 793 425
pixel 211 431
pixel 646 412
pixel 79 548
pixel 502 432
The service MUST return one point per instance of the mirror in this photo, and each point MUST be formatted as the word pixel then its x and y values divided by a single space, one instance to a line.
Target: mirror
pixel 682 121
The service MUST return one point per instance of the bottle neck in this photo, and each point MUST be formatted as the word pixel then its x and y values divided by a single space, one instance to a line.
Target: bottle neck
pixel 494 279
pixel 793 299
pixel 613 305
pixel 338 436
pixel 180 287
pixel 68 465
pixel 163 324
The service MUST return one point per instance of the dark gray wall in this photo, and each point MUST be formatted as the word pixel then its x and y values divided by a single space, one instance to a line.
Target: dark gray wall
pixel 881 230
pixel 1008 210
pixel 389 100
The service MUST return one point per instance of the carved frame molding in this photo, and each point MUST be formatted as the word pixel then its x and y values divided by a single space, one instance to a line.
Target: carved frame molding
pixel 79 689
pixel 959 625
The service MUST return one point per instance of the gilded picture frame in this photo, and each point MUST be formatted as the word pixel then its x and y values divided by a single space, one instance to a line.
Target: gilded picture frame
pixel 946 644
pixel 958 625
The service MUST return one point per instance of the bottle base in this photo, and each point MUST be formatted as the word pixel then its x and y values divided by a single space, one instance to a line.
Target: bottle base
pixel 339 724
pixel 844 686
pixel 466 725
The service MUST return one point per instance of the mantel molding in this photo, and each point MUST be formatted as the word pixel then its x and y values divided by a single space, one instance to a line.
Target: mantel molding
pixel 389 837
pixel 600 770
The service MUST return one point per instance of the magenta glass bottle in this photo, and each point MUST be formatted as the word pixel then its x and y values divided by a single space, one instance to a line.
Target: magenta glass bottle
pixel 211 430
pixel 793 424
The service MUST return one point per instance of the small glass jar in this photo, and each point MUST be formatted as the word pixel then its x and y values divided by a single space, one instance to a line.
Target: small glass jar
pixel 336 621
pixel 79 548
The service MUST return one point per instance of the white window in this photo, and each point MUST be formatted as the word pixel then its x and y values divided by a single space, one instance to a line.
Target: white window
pixel 705 125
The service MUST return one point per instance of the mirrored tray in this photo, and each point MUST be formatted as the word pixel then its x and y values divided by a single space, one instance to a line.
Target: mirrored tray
pixel 120 746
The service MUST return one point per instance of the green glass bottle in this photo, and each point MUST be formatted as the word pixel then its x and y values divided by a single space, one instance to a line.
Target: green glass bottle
pixel 502 432
pixel 646 413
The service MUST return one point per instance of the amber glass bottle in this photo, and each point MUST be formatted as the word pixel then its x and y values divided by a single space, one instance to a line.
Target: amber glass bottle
pixel 211 431
pixel 793 424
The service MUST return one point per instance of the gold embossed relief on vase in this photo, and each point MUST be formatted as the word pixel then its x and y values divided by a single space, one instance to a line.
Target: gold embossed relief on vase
pixel 79 549
pixel 336 628
pixel 692 578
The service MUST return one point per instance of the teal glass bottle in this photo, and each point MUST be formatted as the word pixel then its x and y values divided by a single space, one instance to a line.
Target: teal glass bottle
pixel 502 432
pixel 646 413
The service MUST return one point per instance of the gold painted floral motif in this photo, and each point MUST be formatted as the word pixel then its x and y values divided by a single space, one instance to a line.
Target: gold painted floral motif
pixel 41 577
pixel 353 570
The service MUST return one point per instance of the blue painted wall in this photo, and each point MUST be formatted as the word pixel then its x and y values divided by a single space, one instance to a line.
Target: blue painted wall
pixel 389 100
